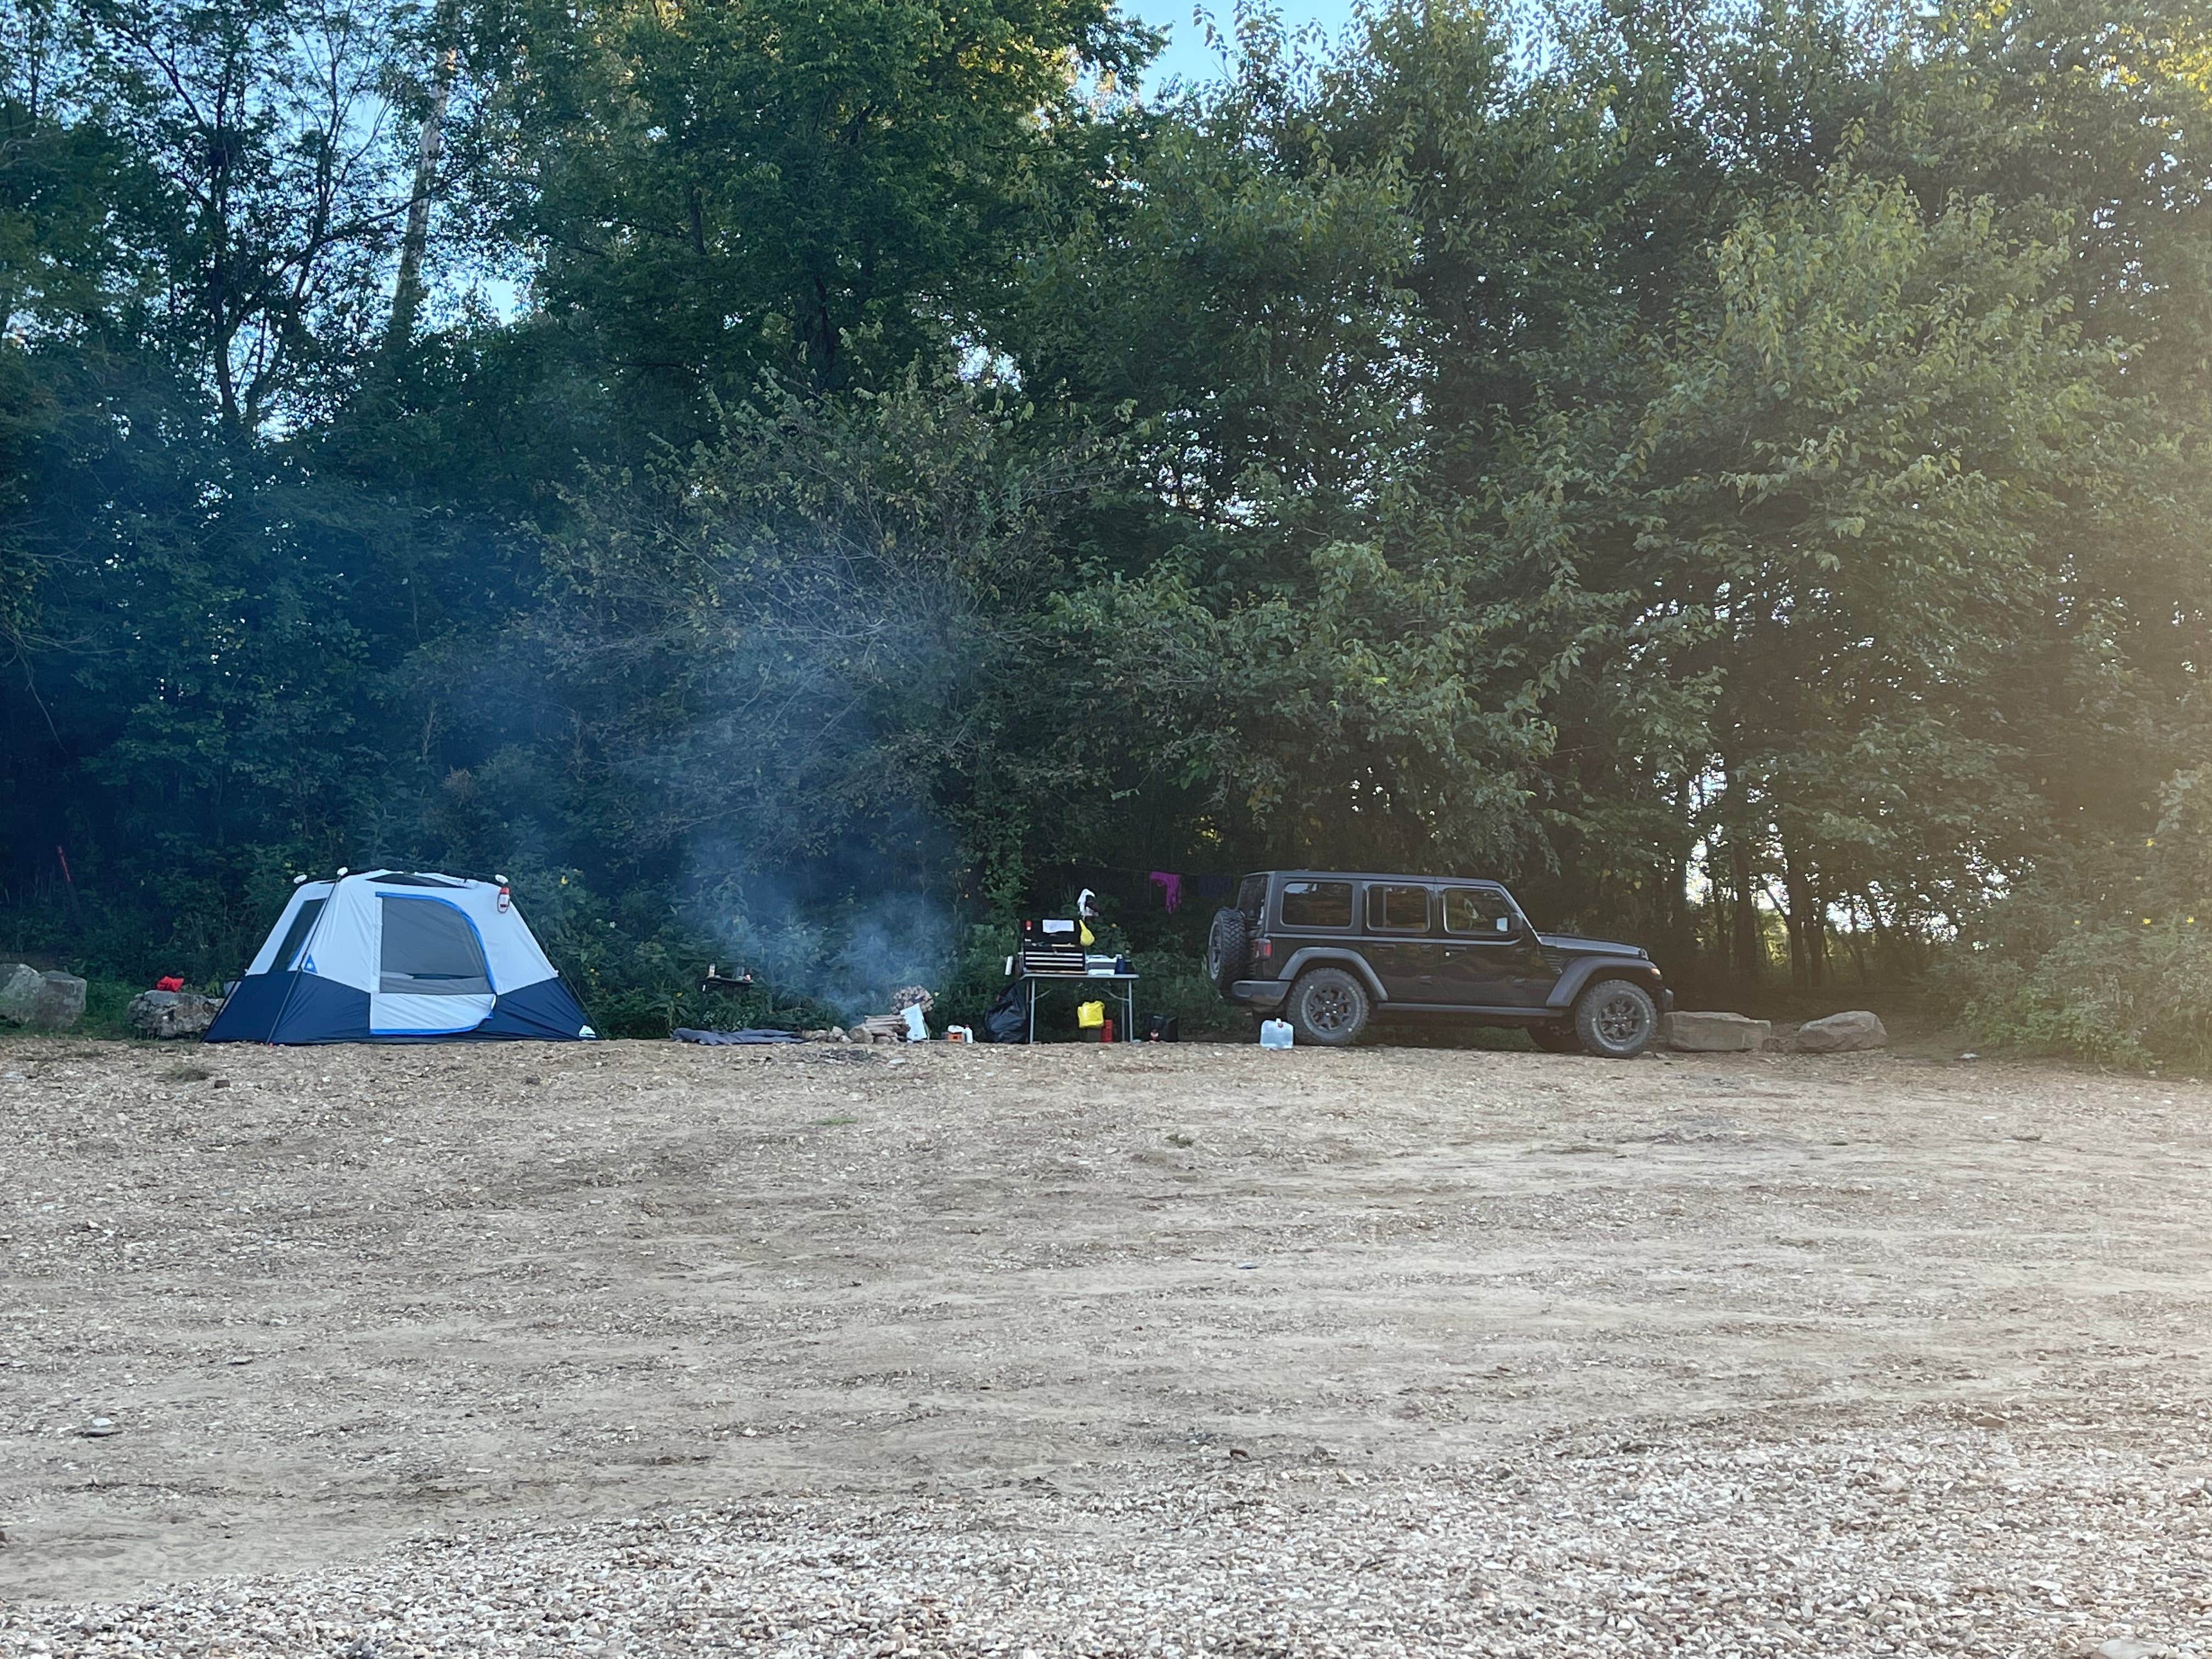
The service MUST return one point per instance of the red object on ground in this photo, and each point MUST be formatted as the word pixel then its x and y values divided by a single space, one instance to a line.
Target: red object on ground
pixel 1106 1031
pixel 169 982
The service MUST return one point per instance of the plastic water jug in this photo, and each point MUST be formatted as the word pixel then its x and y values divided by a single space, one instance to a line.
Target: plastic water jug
pixel 1274 1034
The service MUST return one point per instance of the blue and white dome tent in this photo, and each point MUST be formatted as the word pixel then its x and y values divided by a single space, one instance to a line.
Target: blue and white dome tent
pixel 389 956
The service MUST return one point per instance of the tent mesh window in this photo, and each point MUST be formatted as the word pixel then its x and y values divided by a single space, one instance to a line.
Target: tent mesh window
pixel 429 950
pixel 295 936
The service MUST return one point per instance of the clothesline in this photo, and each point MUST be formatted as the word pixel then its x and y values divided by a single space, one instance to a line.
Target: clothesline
pixel 1207 888
pixel 1175 885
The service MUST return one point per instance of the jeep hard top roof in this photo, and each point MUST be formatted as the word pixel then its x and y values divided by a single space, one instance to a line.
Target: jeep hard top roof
pixel 1375 875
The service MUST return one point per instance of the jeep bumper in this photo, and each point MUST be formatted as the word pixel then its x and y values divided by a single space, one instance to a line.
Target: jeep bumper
pixel 1261 993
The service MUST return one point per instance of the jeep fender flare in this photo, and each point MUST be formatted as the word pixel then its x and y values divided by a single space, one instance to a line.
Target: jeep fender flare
pixel 1323 956
pixel 1637 970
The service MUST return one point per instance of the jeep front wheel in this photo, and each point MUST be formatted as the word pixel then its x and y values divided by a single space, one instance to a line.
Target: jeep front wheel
pixel 1616 1020
pixel 1329 1006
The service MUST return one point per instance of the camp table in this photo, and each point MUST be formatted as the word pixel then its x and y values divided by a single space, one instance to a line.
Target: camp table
pixel 1120 988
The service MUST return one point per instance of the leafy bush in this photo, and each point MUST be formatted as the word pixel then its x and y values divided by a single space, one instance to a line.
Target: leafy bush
pixel 977 975
pixel 2105 993
pixel 105 1003
pixel 636 968
pixel 2104 954
pixel 1174 982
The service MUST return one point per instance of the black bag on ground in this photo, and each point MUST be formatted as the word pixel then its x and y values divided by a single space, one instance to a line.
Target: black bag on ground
pixel 1004 1021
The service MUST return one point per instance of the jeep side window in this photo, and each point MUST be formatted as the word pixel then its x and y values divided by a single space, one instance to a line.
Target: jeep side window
pixel 1316 904
pixel 1477 910
pixel 1397 909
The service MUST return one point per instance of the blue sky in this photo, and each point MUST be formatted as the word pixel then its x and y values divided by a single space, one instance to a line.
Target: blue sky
pixel 1186 55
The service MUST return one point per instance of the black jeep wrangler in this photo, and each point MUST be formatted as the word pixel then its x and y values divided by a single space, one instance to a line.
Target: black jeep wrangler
pixel 1332 950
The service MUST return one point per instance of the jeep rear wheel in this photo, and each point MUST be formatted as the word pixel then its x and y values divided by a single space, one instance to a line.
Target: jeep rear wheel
pixel 1228 948
pixel 1329 1006
pixel 1616 1020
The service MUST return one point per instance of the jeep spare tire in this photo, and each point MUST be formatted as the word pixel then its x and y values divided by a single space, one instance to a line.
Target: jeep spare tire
pixel 1615 1020
pixel 1329 1006
pixel 1228 948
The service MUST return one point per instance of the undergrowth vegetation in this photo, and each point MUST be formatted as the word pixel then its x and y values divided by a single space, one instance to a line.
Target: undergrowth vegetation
pixel 2105 955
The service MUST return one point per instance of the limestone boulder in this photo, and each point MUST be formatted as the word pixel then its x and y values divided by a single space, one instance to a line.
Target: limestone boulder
pixel 170 1013
pixel 1842 1034
pixel 61 1003
pixel 1701 1033
pixel 20 985
pixel 45 1002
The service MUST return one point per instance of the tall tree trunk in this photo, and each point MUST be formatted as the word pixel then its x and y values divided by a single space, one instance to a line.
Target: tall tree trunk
pixel 1717 906
pixel 1749 950
pixel 1885 945
pixel 1677 919
pixel 1797 917
pixel 407 292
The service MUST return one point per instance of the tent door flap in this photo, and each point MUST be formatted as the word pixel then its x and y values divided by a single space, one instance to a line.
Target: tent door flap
pixel 405 1014
pixel 432 979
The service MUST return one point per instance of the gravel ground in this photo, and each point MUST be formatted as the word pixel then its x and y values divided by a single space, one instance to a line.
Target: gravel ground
pixel 638 1349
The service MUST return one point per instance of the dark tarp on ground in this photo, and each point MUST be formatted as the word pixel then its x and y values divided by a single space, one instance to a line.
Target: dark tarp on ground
pixel 732 1039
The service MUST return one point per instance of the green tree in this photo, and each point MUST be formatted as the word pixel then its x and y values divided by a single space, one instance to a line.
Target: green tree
pixel 1240 294
pixel 807 641
pixel 704 192
pixel 1870 465
pixel 280 196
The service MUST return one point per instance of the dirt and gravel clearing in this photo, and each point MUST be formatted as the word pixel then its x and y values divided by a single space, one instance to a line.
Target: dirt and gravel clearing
pixel 641 1349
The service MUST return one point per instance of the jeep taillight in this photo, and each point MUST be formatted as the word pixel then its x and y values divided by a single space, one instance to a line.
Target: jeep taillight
pixel 1263 949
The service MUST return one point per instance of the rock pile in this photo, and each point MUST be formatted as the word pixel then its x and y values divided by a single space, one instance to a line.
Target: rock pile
pixel 170 1013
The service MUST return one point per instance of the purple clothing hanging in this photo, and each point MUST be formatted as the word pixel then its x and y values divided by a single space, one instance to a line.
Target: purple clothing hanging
pixel 1171 886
